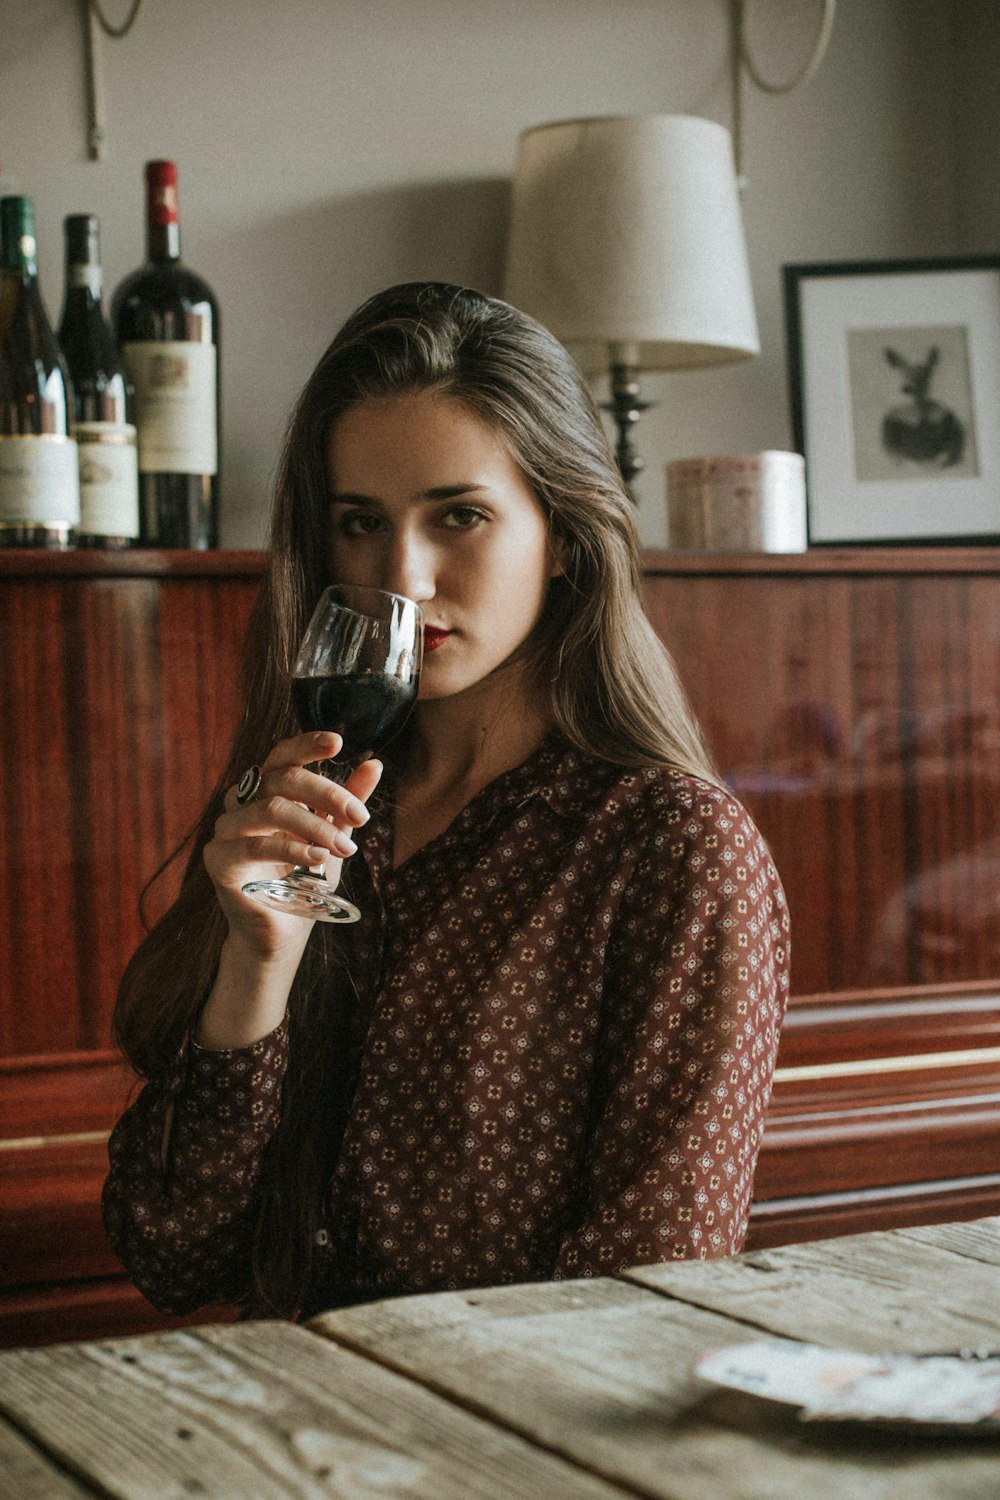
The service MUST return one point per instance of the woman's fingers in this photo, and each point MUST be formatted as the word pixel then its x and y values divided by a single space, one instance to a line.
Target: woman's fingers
pixel 287 756
pixel 363 781
pixel 282 818
pixel 297 816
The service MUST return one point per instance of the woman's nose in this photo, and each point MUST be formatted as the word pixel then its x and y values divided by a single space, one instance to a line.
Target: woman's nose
pixel 411 569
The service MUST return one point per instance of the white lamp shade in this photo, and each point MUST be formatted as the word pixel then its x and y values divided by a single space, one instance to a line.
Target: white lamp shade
pixel 627 232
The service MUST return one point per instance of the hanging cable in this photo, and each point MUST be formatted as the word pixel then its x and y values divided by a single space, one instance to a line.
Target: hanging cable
pixel 94 17
pixel 743 58
pixel 107 27
pixel 808 68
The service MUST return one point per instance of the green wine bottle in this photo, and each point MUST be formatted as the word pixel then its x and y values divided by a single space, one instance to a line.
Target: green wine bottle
pixel 39 478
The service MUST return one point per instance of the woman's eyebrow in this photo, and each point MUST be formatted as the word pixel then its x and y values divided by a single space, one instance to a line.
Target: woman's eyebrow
pixel 437 492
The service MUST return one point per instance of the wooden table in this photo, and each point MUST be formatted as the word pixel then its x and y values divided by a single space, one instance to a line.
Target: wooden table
pixel 570 1391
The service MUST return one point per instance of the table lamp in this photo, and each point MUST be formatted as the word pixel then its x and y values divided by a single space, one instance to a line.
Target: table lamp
pixel 627 242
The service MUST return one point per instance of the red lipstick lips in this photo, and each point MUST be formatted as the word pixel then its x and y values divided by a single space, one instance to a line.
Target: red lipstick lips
pixel 434 638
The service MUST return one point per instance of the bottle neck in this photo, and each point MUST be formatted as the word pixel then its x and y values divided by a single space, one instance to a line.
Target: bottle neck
pixel 163 241
pixel 24 266
pixel 163 226
pixel 84 282
pixel 83 257
pixel 18 237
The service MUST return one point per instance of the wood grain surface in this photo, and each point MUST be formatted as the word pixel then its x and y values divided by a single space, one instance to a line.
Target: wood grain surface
pixel 577 1390
pixel 855 711
pixel 262 1411
pixel 587 1371
pixel 117 705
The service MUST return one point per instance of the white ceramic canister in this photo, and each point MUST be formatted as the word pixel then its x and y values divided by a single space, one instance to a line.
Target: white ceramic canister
pixel 737 502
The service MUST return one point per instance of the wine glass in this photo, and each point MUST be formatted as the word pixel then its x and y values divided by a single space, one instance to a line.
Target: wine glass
pixel 356 674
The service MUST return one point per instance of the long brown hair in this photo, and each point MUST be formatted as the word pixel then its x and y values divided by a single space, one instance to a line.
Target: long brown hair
pixel 612 686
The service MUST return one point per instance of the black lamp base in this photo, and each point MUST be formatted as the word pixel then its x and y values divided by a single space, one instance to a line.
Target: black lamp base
pixel 626 406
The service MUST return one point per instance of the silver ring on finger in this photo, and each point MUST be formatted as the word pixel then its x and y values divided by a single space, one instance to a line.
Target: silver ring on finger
pixel 249 785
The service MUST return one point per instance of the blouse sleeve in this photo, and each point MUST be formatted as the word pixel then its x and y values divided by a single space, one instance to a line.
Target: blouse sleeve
pixel 185 1159
pixel 696 986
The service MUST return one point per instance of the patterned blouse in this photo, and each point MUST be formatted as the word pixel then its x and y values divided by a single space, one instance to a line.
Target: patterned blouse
pixel 560 1020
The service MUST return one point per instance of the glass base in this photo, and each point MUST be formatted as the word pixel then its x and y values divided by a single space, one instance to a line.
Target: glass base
pixel 303 894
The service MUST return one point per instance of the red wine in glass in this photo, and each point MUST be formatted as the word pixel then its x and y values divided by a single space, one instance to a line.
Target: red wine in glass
pixel 356 674
pixel 365 709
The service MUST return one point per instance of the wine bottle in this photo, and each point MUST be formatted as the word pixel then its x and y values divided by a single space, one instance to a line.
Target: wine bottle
pixel 39 485
pixel 167 323
pixel 109 488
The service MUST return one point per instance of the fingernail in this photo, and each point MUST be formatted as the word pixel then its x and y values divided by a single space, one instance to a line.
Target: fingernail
pixel 315 854
pixel 344 845
pixel 358 811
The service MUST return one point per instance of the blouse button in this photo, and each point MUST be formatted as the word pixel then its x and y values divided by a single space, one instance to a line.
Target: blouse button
pixel 322 1237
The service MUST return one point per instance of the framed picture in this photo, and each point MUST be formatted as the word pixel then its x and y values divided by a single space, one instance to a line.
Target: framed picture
pixel 894 368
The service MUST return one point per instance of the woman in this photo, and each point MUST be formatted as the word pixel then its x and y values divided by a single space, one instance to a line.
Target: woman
pixel 546 1049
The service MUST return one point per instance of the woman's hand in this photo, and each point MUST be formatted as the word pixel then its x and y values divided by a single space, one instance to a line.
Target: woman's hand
pixel 298 817
pixel 264 839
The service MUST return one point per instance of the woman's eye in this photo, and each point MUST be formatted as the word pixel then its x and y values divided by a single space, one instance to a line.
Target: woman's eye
pixel 462 517
pixel 357 523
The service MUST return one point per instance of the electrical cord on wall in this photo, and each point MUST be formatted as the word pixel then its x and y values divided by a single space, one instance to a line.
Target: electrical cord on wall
pixel 743 58
pixel 108 27
pixel 94 17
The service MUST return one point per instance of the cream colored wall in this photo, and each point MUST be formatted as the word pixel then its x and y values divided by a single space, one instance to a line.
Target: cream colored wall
pixel 328 148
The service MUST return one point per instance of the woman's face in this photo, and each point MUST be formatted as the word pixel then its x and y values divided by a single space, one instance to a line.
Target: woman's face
pixel 427 502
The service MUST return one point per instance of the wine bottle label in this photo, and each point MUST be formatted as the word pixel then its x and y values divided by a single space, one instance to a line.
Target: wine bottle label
pixel 79 274
pixel 174 406
pixel 39 481
pixel 109 479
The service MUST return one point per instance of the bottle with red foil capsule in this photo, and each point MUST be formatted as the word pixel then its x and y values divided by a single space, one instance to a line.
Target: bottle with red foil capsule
pixel 167 323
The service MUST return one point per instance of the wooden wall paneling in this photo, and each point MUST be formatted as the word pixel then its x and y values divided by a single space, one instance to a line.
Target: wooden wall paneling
pixel 855 714
pixel 914 1128
pixel 867 851
pixel 847 1027
pixel 105 1308
pixel 779 676
pixel 60 1094
pixel 108 771
pixel 116 833
pixel 820 1216
pixel 981 898
pixel 954 826
pixel 885 1111
pixel 201 635
pixel 120 690
pixel 52 1223
pixel 39 896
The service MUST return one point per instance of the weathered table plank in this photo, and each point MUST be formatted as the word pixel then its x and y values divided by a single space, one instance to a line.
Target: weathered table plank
pixel 978 1240
pixel 874 1292
pixel 262 1411
pixel 25 1474
pixel 605 1380
pixel 569 1391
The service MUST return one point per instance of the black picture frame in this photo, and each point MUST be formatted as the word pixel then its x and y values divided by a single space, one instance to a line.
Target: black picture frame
pixel 894 385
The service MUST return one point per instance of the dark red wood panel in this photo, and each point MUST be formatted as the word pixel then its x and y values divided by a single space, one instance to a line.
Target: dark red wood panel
pixel 845 1027
pixel 59 1094
pixel 856 713
pixel 118 697
pixel 105 1308
pixel 788 1221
